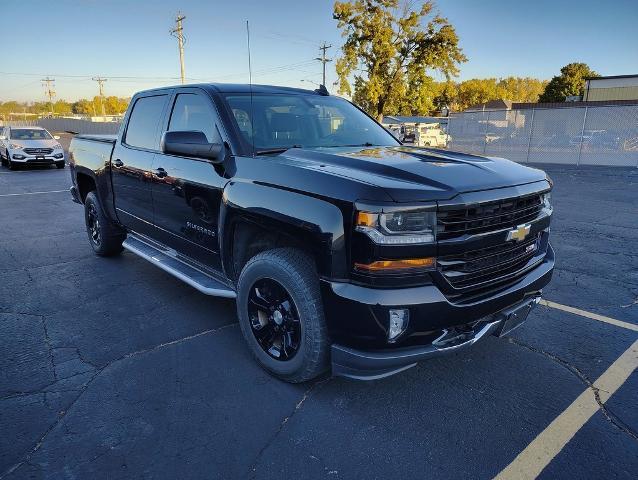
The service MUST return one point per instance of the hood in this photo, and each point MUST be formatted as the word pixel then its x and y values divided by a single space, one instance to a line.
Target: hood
pixel 409 174
pixel 44 143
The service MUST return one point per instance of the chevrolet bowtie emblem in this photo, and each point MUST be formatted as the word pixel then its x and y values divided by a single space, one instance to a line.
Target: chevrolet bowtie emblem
pixel 519 233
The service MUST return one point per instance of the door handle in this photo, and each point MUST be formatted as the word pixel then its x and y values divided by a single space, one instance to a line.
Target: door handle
pixel 118 163
pixel 160 172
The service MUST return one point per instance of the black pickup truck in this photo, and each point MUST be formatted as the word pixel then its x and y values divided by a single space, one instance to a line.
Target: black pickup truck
pixel 342 247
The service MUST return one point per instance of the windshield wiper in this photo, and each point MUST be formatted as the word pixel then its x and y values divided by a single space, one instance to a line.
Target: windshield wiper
pixel 276 150
pixel 367 144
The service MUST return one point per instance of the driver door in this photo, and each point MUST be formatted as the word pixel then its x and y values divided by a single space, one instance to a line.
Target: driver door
pixel 187 192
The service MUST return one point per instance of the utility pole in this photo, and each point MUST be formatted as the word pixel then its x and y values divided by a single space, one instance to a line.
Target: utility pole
pixel 48 84
pixel 178 32
pixel 324 60
pixel 100 81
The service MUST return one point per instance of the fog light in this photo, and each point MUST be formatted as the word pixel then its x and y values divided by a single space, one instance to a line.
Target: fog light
pixel 398 323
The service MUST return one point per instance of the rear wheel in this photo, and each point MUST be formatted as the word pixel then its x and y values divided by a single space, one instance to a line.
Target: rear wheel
pixel 104 236
pixel 281 314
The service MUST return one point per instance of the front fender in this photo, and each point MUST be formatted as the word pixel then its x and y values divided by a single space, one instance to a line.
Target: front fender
pixel 315 223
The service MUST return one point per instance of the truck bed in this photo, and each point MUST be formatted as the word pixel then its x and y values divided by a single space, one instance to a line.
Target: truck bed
pixel 97 138
pixel 91 151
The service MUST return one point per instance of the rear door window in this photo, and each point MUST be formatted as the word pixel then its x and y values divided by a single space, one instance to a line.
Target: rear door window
pixel 141 131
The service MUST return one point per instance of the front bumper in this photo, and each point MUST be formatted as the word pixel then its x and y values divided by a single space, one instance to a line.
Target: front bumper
pixel 360 365
pixel 22 158
pixel 356 319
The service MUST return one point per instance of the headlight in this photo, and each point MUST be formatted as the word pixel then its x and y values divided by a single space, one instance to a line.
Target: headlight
pixel 57 147
pixel 547 200
pixel 15 146
pixel 398 228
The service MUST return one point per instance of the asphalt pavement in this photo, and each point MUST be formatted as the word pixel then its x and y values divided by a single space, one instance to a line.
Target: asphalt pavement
pixel 111 368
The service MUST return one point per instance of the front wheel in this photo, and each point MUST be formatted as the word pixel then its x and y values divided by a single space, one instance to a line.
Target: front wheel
pixel 59 164
pixel 104 236
pixel 281 314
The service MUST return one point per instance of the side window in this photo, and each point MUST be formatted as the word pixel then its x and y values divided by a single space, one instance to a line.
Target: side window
pixel 142 125
pixel 193 112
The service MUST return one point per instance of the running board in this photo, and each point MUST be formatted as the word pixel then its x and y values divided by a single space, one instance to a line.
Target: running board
pixel 185 272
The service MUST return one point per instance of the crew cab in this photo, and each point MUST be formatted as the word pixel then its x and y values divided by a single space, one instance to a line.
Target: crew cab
pixel 25 146
pixel 342 247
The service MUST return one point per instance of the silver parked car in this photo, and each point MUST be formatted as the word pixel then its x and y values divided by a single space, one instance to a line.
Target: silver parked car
pixel 30 146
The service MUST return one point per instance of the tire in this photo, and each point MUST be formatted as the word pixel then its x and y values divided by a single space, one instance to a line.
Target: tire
pixel 11 165
pixel 4 160
pixel 296 273
pixel 59 164
pixel 104 236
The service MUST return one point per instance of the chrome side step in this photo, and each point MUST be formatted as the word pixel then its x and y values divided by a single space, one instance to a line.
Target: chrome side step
pixel 185 272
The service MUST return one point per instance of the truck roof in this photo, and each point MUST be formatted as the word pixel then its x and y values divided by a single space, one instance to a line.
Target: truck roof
pixel 239 88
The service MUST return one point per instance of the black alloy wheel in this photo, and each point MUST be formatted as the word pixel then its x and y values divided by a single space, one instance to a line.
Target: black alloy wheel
pixel 280 312
pixel 93 225
pixel 274 319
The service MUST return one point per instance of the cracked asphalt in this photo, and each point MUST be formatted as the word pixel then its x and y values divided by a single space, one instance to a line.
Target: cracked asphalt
pixel 111 368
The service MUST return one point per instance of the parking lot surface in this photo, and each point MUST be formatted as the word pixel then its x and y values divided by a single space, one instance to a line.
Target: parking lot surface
pixel 111 368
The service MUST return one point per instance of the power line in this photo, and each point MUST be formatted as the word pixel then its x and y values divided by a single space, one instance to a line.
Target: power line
pixel 324 60
pixel 289 66
pixel 48 84
pixel 178 32
pixel 100 82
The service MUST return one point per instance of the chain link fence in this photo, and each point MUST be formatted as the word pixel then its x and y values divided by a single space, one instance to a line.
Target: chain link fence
pixel 605 135
pixel 58 125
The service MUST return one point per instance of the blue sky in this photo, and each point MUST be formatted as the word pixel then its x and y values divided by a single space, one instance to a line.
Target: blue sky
pixel 119 38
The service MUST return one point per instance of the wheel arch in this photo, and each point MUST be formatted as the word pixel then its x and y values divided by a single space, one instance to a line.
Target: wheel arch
pixel 255 218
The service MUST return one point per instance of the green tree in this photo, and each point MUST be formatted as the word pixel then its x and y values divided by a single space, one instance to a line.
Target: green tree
pixel 62 107
pixel 389 50
pixel 475 91
pixel 460 96
pixel 115 105
pixel 571 81
pixel 519 89
pixel 83 107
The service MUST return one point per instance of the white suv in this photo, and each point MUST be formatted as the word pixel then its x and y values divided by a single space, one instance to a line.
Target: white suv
pixel 30 146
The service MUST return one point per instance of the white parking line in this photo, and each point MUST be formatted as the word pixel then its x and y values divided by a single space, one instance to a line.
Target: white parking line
pixel 593 316
pixel 30 193
pixel 538 454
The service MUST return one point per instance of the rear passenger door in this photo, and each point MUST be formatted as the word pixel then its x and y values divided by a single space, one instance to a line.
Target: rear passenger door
pixel 187 194
pixel 132 161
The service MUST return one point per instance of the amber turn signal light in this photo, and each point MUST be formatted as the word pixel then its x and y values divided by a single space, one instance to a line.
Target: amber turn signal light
pixel 365 219
pixel 394 265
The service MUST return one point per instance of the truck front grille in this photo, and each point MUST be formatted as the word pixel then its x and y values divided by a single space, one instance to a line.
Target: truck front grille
pixel 489 216
pixel 38 151
pixel 487 266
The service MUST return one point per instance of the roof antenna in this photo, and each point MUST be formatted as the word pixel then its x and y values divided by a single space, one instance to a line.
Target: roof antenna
pixel 250 81
pixel 322 90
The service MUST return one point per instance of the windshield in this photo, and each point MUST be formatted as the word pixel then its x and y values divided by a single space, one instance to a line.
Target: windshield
pixel 308 121
pixel 29 134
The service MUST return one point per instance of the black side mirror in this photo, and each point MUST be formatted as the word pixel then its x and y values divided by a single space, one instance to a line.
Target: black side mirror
pixel 191 143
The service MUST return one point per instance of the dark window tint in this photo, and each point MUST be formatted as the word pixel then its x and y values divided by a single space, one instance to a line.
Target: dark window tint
pixel 311 121
pixel 142 124
pixel 193 112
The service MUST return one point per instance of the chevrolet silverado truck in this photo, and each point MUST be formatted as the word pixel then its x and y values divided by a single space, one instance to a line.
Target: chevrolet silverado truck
pixel 342 248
